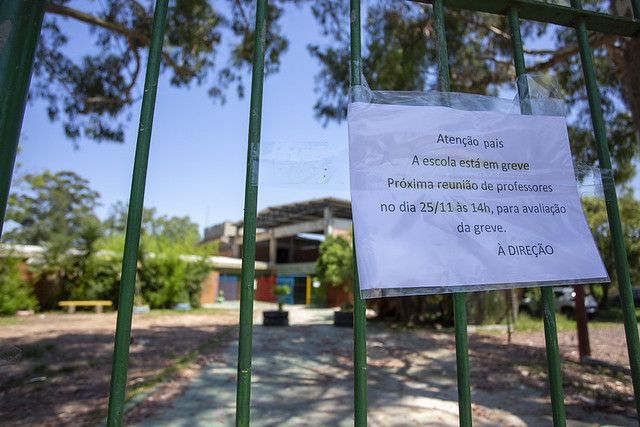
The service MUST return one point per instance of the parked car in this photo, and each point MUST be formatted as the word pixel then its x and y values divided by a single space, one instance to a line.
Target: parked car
pixel 615 300
pixel 564 302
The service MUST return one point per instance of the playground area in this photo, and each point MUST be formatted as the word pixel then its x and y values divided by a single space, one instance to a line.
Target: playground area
pixel 183 368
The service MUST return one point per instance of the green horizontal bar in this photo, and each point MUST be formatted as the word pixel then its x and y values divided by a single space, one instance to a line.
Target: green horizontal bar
pixel 535 10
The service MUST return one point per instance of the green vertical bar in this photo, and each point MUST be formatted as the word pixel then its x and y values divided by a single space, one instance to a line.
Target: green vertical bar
pixel 635 6
pixel 20 23
pixel 613 211
pixel 359 351
pixel 462 359
pixel 548 311
pixel 553 357
pixel 356 50
pixel 444 76
pixel 359 310
pixel 459 305
pixel 243 392
pixel 134 219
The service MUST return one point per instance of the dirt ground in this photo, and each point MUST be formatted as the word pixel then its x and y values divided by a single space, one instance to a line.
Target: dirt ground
pixel 603 385
pixel 62 374
pixel 55 368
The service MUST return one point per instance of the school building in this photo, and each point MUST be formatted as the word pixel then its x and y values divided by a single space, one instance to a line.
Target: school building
pixel 287 242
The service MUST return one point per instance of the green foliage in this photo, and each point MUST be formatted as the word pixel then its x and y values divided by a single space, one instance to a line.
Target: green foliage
pixel 158 232
pixel 486 307
pixel 596 213
pixel 399 53
pixel 92 95
pixel 83 257
pixel 280 292
pixel 335 262
pixel 166 280
pixel 15 294
pixel 53 209
pixel 171 267
pixel 56 211
pixel 100 279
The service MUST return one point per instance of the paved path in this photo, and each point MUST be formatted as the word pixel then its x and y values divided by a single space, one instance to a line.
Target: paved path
pixel 302 377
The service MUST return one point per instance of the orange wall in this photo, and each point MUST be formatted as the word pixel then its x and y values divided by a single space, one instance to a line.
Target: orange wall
pixel 209 291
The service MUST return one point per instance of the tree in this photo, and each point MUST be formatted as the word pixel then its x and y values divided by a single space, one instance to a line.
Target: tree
pixel 15 293
pixel 92 95
pixel 166 276
pixel 399 54
pixel 157 231
pixel 56 211
pixel 335 262
pixel 596 213
pixel 53 209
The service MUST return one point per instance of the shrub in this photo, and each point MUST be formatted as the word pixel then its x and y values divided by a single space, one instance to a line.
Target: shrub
pixel 100 279
pixel 166 280
pixel 15 294
pixel 281 291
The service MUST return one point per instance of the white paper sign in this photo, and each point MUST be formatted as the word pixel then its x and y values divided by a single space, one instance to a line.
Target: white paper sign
pixel 446 200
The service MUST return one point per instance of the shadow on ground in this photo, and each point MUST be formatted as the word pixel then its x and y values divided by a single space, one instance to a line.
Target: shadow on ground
pixel 62 374
pixel 302 376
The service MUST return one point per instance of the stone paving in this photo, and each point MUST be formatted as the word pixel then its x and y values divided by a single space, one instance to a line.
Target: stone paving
pixel 302 377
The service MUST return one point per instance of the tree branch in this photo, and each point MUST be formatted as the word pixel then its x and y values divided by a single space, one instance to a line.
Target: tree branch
pixel 131 35
pixel 596 41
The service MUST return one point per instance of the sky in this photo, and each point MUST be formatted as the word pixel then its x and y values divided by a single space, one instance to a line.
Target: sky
pixel 198 148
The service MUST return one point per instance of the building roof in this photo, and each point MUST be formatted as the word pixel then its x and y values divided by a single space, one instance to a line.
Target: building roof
pixel 32 252
pixel 302 211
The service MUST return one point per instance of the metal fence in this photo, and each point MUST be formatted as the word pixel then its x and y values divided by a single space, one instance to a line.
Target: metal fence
pixel 20 23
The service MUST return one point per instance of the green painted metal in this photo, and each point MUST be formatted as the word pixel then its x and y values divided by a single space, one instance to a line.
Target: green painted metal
pixel 20 23
pixel 462 359
pixel 536 10
pixel 356 41
pixel 613 211
pixel 359 352
pixel 134 220
pixel 635 6
pixel 359 313
pixel 444 76
pixel 553 357
pixel 548 311
pixel 243 392
pixel 459 305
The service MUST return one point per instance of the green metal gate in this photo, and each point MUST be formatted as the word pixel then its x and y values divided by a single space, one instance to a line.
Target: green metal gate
pixel 20 22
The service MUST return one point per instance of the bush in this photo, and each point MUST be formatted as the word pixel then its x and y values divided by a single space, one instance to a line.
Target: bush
pixel 100 280
pixel 612 314
pixel 166 280
pixel 15 294
pixel 487 307
pixel 280 292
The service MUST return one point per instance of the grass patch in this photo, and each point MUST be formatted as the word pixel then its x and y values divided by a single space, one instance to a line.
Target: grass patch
pixel 614 314
pixel 527 323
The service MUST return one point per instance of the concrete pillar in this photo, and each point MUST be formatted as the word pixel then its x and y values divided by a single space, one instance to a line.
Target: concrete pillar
pixel 328 221
pixel 273 248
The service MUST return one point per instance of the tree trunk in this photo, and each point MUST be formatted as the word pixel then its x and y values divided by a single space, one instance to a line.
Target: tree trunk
pixel 584 348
